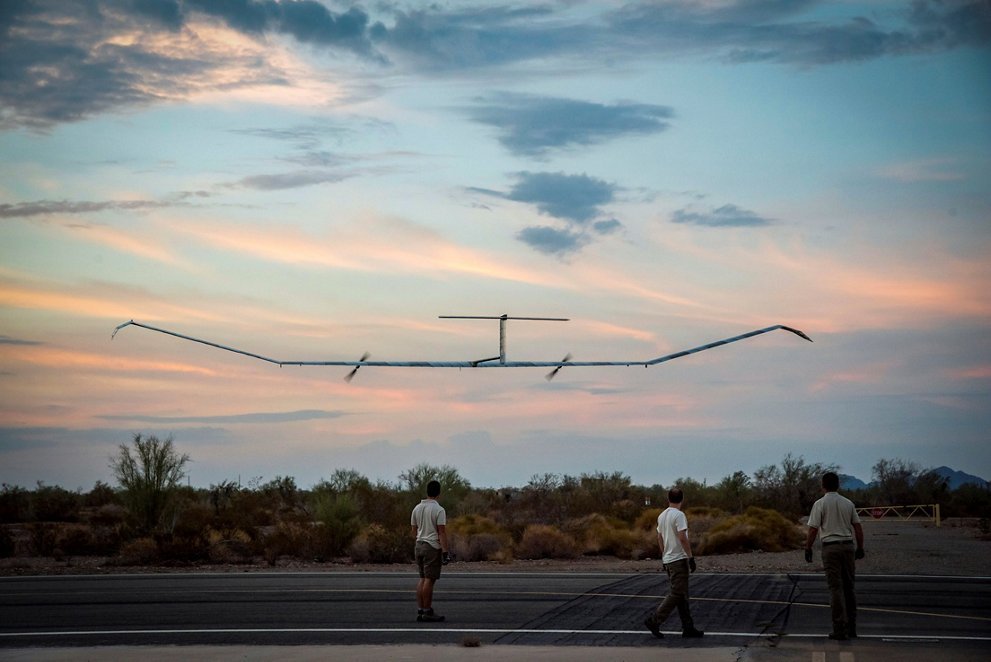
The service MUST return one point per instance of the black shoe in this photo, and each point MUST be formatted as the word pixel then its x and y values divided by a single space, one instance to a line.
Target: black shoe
pixel 430 618
pixel 691 633
pixel 654 628
pixel 837 636
pixel 851 632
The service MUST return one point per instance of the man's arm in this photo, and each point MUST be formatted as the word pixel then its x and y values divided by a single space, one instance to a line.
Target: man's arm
pixel 442 534
pixel 415 530
pixel 858 533
pixel 685 544
pixel 811 537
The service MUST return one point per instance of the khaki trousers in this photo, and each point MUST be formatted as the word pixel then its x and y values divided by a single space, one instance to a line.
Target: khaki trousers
pixel 677 597
pixel 838 562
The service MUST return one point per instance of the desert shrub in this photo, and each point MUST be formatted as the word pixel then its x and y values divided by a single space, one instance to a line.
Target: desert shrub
pixel 477 538
pixel 110 515
pixel 74 540
pixel 7 545
pixel 648 519
pixel 603 536
pixel 141 551
pixel 15 504
pixel 104 540
pixel 192 520
pixel 756 529
pixel 701 521
pixel 229 546
pixel 376 544
pixel 288 539
pixel 704 511
pixel 183 549
pixel 339 522
pixel 42 537
pixel 54 504
pixel 101 495
pixel 541 541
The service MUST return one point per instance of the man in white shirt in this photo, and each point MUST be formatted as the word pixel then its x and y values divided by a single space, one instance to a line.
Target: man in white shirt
pixel 429 523
pixel 834 519
pixel 678 562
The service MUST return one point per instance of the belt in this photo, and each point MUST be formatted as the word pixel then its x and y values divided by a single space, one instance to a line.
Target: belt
pixel 837 542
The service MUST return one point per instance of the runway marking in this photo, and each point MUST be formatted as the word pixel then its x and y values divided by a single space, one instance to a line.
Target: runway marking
pixel 641 633
pixel 568 594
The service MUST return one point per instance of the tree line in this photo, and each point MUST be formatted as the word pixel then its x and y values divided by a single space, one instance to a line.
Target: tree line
pixel 148 516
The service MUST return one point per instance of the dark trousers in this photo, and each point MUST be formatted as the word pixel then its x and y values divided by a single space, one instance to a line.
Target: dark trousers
pixel 678 595
pixel 838 562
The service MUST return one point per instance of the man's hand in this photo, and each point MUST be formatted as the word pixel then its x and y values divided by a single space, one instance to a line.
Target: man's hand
pixel 445 558
pixel 859 554
pixel 808 555
pixel 691 563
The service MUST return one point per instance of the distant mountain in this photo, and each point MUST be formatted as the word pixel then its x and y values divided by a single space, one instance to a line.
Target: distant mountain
pixel 851 483
pixel 955 479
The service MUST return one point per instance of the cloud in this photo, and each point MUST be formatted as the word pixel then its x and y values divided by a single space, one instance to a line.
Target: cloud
pixel 7 340
pixel 923 170
pixel 64 61
pixel 67 61
pixel 251 418
pixel 607 227
pixel 789 33
pixel 289 180
pixel 532 126
pixel 727 216
pixel 53 207
pixel 736 31
pixel 440 40
pixel 551 240
pixel 574 199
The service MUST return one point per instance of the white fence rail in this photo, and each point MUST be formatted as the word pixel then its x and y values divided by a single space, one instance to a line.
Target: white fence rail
pixel 915 513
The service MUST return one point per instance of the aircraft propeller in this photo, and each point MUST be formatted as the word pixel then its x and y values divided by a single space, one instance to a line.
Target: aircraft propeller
pixel 350 375
pixel 553 373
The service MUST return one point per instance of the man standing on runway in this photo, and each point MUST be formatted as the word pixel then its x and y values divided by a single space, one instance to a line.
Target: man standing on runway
pixel 678 562
pixel 429 523
pixel 834 518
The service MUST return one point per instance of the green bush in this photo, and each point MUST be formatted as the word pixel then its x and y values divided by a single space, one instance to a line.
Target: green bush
pixel 339 522
pixel 757 529
pixel 541 541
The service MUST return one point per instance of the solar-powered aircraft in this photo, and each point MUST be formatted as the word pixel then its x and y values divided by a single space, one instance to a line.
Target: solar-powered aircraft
pixel 492 362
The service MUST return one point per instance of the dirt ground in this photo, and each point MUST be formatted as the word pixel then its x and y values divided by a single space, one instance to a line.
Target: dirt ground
pixel 893 548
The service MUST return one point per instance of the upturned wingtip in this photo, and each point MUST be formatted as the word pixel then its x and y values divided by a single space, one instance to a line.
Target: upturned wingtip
pixel 119 327
pixel 798 333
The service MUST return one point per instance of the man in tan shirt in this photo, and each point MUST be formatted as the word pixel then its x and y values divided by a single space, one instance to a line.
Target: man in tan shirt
pixel 834 519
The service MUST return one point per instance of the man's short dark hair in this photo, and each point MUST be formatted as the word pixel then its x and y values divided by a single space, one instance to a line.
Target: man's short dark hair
pixel 675 495
pixel 830 481
pixel 433 488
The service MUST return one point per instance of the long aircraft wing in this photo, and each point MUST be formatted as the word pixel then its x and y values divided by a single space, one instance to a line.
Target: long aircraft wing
pixel 485 363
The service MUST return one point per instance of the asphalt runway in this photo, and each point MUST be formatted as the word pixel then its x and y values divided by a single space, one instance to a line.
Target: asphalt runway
pixel 760 616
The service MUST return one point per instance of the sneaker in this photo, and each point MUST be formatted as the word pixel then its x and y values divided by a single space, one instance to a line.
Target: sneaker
pixel 691 633
pixel 837 636
pixel 430 618
pixel 654 628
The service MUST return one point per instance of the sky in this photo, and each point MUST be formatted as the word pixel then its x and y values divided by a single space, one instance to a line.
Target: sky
pixel 313 180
